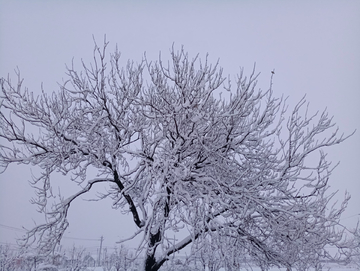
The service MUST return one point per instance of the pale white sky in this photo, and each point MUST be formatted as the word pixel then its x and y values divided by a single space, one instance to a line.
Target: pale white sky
pixel 312 45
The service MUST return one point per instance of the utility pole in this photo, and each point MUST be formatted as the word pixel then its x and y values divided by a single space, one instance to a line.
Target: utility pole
pixel 99 257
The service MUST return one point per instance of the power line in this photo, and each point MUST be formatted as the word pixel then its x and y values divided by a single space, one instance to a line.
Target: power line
pixel 12 228
pixel 81 239
pixel 65 237
pixel 350 216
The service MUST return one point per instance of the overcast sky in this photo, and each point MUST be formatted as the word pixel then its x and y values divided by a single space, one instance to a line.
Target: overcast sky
pixel 312 45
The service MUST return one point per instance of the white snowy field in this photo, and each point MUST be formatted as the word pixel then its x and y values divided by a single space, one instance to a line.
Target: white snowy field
pixel 325 268
pixel 334 268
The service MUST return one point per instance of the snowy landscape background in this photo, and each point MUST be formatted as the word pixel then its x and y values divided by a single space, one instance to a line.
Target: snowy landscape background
pixel 311 46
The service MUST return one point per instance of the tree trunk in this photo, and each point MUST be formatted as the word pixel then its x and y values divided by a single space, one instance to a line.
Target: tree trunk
pixel 150 262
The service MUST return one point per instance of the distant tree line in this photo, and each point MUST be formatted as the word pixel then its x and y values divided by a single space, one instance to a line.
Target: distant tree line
pixel 74 259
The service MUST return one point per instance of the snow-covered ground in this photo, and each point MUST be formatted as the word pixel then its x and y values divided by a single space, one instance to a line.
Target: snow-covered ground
pixel 325 268
pixel 95 269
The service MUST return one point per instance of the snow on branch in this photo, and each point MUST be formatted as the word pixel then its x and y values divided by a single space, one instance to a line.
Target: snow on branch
pixel 50 234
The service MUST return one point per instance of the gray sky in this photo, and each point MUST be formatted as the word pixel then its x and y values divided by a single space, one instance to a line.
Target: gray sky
pixel 312 45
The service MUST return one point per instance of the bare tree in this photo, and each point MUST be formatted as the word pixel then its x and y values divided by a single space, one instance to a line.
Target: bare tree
pixel 120 258
pixel 75 260
pixel 356 249
pixel 177 154
pixel 8 258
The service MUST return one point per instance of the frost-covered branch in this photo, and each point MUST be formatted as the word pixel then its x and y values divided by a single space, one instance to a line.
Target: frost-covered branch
pixel 49 235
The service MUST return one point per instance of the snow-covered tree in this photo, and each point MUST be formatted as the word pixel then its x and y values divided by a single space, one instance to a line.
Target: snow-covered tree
pixel 356 249
pixel 121 258
pixel 180 156
pixel 8 258
pixel 75 260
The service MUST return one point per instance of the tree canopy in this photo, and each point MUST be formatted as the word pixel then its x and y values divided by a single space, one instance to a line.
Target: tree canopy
pixel 236 171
